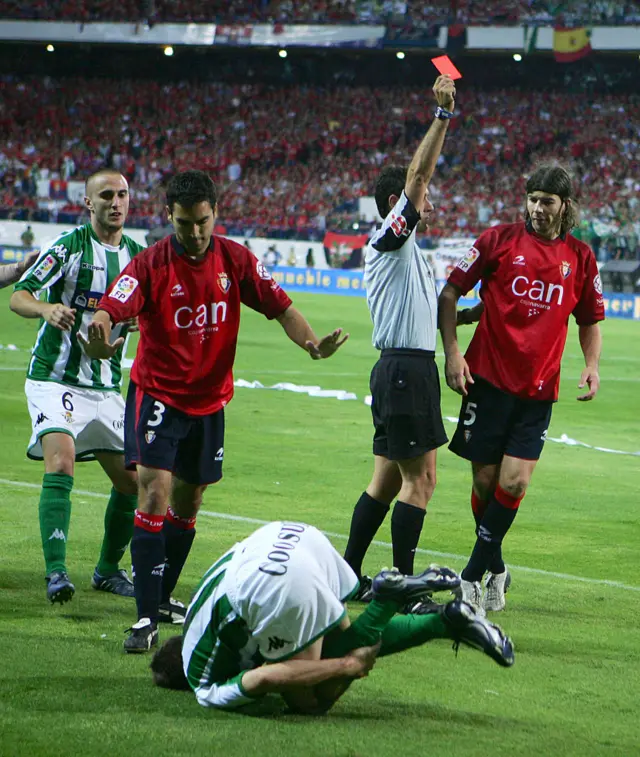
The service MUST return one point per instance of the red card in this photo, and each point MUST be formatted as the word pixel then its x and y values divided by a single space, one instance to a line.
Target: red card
pixel 444 64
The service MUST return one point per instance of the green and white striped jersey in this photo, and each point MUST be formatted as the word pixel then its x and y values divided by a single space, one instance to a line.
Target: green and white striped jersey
pixel 217 644
pixel 76 269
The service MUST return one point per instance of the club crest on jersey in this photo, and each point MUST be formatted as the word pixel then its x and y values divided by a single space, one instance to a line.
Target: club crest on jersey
pixel 469 259
pixel 124 288
pixel 150 436
pixel 224 282
pixel 597 283
pixel 565 269
pixel 467 435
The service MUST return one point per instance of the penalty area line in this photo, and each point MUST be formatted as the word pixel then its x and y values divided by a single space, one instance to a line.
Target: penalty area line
pixel 432 553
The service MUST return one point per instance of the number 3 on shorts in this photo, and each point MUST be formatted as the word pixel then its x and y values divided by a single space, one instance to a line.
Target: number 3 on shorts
pixel 158 412
pixel 470 413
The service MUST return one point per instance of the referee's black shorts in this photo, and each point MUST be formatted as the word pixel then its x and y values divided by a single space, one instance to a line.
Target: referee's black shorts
pixel 405 391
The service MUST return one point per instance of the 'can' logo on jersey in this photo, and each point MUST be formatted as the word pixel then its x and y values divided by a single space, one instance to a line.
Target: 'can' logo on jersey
pixel 469 259
pixel 124 288
pixel 44 267
pixel 224 282
pixel 565 269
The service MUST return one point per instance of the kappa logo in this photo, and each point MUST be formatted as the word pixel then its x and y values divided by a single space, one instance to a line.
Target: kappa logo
pixel 124 288
pixel 565 269
pixel 177 291
pixel 90 267
pixel 224 282
pixel 57 533
pixel 519 260
pixel 41 419
pixel 275 643
pixel 219 455
pixel 150 436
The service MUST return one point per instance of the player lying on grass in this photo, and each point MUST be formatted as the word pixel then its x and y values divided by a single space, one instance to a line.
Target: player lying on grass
pixel 278 598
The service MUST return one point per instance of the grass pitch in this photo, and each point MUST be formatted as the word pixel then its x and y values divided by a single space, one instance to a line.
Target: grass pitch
pixel 66 688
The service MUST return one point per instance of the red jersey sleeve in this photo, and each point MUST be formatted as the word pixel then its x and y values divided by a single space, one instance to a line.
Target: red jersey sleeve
pixel 128 293
pixel 590 307
pixel 470 268
pixel 259 291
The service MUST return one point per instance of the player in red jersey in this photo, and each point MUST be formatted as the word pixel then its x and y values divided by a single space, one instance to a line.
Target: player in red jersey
pixel 186 291
pixel 533 276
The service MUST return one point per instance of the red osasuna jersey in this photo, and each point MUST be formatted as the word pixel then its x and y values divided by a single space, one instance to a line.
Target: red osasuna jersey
pixel 529 287
pixel 189 314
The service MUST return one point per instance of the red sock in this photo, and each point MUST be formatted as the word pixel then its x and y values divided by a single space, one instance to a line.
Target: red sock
pixel 148 522
pixel 184 523
pixel 478 506
pixel 507 500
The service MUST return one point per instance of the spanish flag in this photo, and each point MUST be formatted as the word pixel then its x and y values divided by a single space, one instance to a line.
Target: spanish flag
pixel 570 45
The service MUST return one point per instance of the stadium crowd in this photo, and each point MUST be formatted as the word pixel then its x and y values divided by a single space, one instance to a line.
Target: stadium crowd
pixel 405 12
pixel 291 161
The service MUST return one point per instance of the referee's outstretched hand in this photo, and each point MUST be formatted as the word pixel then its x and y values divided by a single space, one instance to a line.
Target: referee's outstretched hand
pixel 457 373
pixel 327 345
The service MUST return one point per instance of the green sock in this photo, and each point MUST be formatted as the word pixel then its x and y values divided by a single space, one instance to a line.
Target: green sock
pixel 118 530
pixel 406 631
pixel 55 513
pixel 365 630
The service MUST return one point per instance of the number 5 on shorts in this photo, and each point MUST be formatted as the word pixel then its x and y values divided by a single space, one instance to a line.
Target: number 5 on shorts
pixel 470 413
pixel 158 413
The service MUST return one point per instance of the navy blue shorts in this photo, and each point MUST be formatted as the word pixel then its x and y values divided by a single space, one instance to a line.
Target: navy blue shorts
pixel 159 436
pixel 493 424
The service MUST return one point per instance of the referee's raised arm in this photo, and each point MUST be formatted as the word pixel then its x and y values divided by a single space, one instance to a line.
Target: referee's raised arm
pixel 424 161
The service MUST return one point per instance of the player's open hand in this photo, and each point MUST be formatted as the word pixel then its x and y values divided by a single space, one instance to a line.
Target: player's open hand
pixel 327 345
pixel 60 316
pixel 96 345
pixel 591 378
pixel 445 91
pixel 457 373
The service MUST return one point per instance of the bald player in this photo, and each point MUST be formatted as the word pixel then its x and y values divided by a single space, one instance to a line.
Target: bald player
pixel 77 412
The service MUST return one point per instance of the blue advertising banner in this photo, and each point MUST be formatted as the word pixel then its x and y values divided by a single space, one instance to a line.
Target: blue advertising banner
pixel 336 281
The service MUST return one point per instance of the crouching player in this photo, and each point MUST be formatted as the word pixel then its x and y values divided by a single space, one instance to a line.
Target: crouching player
pixel 269 616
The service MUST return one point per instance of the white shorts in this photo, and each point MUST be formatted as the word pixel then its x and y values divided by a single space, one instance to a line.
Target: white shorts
pixel 93 418
pixel 288 583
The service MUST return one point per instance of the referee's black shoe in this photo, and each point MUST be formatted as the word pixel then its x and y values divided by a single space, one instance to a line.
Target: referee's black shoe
pixel 142 636
pixel 364 592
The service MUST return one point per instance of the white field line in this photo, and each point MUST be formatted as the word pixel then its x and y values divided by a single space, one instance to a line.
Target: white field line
pixel 448 555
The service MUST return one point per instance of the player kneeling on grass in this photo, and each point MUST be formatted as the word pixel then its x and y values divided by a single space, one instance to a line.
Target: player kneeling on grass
pixel 187 290
pixel 277 598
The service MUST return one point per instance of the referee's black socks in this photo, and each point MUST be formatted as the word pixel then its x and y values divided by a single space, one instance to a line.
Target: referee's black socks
pixel 367 518
pixel 406 527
